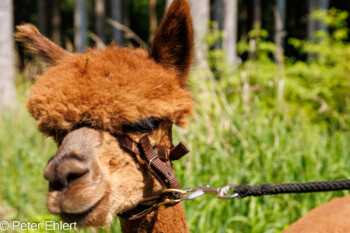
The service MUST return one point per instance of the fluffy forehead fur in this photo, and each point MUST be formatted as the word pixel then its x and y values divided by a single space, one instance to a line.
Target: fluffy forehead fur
pixel 107 89
pixel 117 86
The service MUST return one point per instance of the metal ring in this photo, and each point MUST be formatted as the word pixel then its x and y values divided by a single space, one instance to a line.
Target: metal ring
pixel 168 201
pixel 150 162
pixel 223 192
pixel 174 191
pixel 139 159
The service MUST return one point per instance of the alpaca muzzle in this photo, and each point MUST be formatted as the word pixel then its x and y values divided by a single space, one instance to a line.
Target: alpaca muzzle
pixel 64 170
pixel 76 180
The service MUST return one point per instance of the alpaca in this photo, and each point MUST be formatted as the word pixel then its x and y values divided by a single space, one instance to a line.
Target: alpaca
pixel 84 101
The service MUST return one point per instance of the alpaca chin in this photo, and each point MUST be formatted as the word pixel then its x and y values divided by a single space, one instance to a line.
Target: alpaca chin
pixel 85 206
pixel 100 215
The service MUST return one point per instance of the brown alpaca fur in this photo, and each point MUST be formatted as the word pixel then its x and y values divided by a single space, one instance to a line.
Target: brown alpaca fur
pixel 332 217
pixel 106 90
pixel 132 84
pixel 83 100
pixel 158 221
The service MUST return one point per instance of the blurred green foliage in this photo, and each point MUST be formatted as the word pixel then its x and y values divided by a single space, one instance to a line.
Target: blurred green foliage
pixel 316 89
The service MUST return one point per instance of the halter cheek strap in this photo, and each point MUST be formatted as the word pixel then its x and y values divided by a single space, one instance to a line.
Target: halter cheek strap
pixel 158 162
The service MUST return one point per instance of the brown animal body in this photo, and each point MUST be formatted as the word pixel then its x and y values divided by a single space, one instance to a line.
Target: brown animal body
pixel 332 217
pixel 84 100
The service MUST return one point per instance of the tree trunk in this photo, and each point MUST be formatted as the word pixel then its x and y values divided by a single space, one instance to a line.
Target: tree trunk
pixel 100 17
pixel 324 4
pixel 167 3
pixel 125 15
pixel 56 21
pixel 280 18
pixel 230 30
pixel 117 16
pixel 153 21
pixel 200 17
pixel 243 21
pixel 257 15
pixel 218 18
pixel 80 24
pixel 311 24
pixel 42 17
pixel 256 26
pixel 7 66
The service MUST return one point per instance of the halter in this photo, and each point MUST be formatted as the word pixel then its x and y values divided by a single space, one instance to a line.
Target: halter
pixel 158 163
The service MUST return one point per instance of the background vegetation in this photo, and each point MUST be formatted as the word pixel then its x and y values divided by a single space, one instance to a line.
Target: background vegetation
pixel 261 121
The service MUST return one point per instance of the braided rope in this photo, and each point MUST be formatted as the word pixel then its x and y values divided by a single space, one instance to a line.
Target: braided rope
pixel 272 189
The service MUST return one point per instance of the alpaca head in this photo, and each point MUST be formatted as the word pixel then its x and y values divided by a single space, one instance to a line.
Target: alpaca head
pixel 84 100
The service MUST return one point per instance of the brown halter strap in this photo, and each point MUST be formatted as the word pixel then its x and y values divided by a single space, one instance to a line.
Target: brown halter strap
pixel 158 161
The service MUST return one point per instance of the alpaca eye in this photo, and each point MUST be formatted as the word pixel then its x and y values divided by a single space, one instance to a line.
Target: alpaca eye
pixel 146 125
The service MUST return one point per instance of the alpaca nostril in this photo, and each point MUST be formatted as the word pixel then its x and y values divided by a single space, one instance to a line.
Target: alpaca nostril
pixel 74 176
pixel 65 170
pixel 71 170
pixel 55 185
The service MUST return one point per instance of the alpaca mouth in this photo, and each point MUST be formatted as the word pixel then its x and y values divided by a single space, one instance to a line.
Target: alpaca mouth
pixel 58 205
pixel 83 216
pixel 97 215
pixel 85 210
pixel 81 213
pixel 77 199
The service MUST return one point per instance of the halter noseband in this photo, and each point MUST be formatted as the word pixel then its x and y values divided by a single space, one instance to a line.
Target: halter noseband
pixel 158 162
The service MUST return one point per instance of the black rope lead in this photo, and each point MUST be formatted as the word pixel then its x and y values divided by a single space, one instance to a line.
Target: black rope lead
pixel 272 189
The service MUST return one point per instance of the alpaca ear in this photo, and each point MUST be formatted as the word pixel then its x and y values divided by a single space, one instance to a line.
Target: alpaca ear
pixel 173 43
pixel 32 39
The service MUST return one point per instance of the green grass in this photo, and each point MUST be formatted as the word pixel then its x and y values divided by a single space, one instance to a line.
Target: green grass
pixel 230 143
